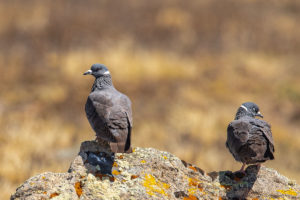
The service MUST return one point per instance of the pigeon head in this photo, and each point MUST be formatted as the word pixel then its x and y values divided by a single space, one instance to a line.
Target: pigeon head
pixel 248 109
pixel 97 70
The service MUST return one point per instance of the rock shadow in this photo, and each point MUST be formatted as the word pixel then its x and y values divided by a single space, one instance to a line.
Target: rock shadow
pixel 238 185
pixel 101 161
pixel 97 158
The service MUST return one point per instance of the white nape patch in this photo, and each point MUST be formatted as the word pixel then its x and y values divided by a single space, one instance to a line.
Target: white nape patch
pixel 107 72
pixel 242 106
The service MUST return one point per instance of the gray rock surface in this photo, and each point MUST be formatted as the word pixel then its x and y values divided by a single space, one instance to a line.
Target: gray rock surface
pixel 148 173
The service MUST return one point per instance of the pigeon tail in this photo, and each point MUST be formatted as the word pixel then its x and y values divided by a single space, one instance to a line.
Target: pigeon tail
pixel 119 147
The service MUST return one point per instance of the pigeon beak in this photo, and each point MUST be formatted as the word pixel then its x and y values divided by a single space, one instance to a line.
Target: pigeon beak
pixel 259 115
pixel 88 72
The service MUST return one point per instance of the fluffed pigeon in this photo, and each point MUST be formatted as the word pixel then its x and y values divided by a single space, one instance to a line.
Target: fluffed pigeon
pixel 250 140
pixel 109 111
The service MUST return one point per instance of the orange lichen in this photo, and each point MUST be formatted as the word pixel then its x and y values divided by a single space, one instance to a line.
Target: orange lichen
pixel 193 168
pixel 101 176
pixel 115 172
pixel 255 199
pixel 121 157
pixel 288 192
pixel 134 176
pixel 227 187
pixel 78 188
pixel 155 186
pixel 237 179
pixel 220 198
pixel 190 197
pixel 143 161
pixel 45 192
pixel 55 194
pixel 112 179
pixel 200 188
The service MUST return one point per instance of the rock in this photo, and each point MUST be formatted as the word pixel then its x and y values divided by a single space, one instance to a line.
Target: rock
pixel 148 173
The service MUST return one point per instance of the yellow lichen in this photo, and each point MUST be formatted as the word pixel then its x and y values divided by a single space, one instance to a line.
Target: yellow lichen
pixel 165 157
pixel 192 191
pixel 115 164
pixel 115 172
pixel 143 161
pixel 289 192
pixel 155 186
pixel 195 186
pixel 193 182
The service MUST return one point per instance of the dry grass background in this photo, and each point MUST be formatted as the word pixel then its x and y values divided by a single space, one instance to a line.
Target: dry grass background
pixel 187 66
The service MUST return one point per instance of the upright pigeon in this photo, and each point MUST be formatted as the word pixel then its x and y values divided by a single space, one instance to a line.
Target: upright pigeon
pixel 250 140
pixel 109 111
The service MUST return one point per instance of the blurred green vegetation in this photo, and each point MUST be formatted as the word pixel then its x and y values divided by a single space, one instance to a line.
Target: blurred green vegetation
pixel 187 66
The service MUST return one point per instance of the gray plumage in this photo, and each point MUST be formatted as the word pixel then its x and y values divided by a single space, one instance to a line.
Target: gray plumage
pixel 109 111
pixel 250 140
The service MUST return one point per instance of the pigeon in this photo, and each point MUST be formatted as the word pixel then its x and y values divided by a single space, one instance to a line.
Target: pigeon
pixel 250 140
pixel 109 111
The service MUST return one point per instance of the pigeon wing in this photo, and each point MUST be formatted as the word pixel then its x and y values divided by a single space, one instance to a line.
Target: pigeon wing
pixel 264 128
pixel 120 124
pixel 96 111
pixel 126 104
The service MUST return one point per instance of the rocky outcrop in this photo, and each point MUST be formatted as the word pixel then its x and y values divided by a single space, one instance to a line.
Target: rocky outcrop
pixel 152 174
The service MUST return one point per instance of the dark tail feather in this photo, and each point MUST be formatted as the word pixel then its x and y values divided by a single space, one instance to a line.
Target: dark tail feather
pixel 128 140
pixel 270 151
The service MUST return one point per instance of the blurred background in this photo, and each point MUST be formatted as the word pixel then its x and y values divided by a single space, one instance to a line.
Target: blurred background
pixel 187 67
